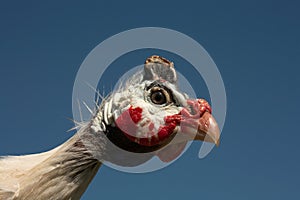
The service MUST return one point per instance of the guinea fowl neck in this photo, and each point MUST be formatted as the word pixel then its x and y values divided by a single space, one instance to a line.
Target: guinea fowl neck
pixel 66 173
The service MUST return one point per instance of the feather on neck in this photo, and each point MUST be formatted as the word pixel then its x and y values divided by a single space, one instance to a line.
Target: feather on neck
pixel 62 173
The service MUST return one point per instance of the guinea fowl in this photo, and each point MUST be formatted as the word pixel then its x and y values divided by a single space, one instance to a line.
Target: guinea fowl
pixel 148 114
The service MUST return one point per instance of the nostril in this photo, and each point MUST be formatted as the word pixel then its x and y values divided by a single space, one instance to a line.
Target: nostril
pixel 192 107
pixel 197 107
pixel 192 110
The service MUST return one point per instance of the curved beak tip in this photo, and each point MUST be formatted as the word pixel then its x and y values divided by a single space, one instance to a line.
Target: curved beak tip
pixel 209 128
pixel 213 132
pixel 218 143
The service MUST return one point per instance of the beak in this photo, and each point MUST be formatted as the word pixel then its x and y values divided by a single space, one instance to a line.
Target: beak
pixel 208 129
pixel 194 123
pixel 199 126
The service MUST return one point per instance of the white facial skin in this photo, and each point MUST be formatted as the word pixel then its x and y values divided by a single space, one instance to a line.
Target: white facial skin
pixel 153 115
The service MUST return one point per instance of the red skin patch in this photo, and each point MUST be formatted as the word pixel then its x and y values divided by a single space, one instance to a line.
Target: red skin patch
pixel 128 120
pixel 135 114
pixel 127 123
pixel 155 138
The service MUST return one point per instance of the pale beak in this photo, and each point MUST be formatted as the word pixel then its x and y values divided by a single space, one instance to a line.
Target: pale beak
pixel 208 129
pixel 200 124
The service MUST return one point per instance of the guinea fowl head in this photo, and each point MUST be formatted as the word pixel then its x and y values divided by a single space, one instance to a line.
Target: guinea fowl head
pixel 147 112
pixel 147 116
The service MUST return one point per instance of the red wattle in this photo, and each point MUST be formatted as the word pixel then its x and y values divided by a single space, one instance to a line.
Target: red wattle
pixel 135 114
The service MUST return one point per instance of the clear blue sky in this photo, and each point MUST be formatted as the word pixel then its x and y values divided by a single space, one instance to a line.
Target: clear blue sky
pixel 255 44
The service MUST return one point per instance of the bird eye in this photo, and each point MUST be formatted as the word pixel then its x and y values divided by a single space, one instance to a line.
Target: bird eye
pixel 158 97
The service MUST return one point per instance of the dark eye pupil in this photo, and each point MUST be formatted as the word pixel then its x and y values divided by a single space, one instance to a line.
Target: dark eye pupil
pixel 158 97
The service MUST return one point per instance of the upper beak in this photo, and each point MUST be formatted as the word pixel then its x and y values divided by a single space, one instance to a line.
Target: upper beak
pixel 208 129
pixel 200 125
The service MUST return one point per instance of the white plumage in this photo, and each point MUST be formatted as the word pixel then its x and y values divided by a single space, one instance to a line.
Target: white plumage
pixel 62 173
pixel 156 107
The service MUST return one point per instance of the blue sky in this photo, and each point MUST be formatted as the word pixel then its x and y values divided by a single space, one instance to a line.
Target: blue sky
pixel 255 45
